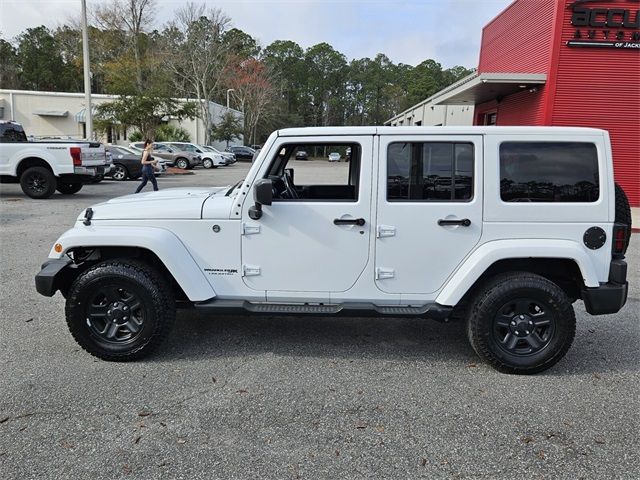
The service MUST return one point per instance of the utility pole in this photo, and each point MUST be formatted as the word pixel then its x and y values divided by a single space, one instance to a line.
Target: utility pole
pixel 87 75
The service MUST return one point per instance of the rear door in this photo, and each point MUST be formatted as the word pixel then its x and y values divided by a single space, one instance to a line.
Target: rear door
pixel 429 214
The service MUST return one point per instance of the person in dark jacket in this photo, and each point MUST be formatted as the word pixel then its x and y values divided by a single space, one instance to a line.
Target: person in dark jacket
pixel 148 167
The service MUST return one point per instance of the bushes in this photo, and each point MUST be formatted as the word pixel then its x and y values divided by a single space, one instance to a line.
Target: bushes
pixel 164 133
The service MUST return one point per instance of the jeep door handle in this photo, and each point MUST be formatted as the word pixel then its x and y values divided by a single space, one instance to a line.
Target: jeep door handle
pixel 349 221
pixel 465 222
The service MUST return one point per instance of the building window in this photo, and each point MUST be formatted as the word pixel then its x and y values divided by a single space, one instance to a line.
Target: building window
pixel 491 118
pixel 84 130
pixel 548 172
pixel 430 171
pixel 109 134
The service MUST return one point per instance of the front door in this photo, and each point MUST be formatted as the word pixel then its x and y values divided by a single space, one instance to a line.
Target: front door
pixel 316 237
pixel 429 209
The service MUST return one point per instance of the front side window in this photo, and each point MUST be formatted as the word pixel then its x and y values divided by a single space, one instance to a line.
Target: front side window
pixel 306 172
pixel 430 171
pixel 548 172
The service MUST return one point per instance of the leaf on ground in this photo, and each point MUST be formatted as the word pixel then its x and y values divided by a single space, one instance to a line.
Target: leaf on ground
pixel 28 320
pixel 241 391
pixel 423 462
pixel 472 365
pixel 213 379
pixel 181 441
pixel 137 440
pixel 126 469
pixel 380 429
pixel 4 419
pixel 527 439
pixel 144 413
pixel 66 444
pixel 597 376
pixel 599 440
pixel 337 452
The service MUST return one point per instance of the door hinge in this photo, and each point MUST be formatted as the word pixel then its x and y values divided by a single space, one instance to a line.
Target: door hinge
pixel 250 270
pixel 382 273
pixel 385 231
pixel 250 229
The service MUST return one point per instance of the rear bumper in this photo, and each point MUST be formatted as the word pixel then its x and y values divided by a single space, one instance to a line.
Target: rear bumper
pixel 609 297
pixel 47 280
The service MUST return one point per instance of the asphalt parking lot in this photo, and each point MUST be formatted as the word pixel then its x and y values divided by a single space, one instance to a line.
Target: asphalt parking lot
pixel 283 397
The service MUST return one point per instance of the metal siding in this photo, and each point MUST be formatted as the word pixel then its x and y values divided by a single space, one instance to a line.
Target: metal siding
pixel 519 39
pixel 600 87
pixel 523 108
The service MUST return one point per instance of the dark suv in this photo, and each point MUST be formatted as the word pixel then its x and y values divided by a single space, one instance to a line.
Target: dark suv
pixel 241 153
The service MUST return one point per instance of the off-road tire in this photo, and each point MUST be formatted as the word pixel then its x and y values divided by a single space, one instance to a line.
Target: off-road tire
pixel 38 182
pixel 149 288
pixel 623 213
pixel 487 307
pixel 67 188
pixel 182 163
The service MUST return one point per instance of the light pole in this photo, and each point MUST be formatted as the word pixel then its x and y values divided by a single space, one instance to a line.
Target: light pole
pixel 229 90
pixel 87 77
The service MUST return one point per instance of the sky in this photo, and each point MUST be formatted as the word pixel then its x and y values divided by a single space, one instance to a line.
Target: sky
pixel 407 31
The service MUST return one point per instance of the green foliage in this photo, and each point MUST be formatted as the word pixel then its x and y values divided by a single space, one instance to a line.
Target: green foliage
pixel 171 133
pixel 228 129
pixel 136 136
pixel 240 43
pixel 146 112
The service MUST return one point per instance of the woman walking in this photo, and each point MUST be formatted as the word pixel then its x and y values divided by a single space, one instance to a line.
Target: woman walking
pixel 148 167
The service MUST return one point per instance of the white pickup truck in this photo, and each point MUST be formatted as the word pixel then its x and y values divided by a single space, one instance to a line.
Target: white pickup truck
pixel 41 168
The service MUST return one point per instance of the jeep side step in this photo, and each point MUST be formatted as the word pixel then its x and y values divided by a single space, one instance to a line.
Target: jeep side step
pixel 434 311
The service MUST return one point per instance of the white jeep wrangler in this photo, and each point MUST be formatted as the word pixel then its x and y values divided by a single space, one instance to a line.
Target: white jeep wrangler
pixel 503 227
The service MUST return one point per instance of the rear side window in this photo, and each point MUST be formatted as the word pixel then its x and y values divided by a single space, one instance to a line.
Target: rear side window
pixel 548 172
pixel 11 133
pixel 430 172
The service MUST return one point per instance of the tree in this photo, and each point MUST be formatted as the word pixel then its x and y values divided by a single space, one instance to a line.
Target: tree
pixel 286 60
pixel 171 133
pixel 325 86
pixel 227 129
pixel 145 112
pixel 241 44
pixel 8 65
pixel 253 87
pixel 40 64
pixel 132 17
pixel 196 55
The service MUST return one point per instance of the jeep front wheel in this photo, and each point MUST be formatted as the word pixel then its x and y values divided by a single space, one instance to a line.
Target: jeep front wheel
pixel 38 182
pixel 521 323
pixel 120 310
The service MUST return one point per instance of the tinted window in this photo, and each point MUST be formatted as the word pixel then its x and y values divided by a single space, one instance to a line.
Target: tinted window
pixel 430 171
pixel 10 133
pixel 548 172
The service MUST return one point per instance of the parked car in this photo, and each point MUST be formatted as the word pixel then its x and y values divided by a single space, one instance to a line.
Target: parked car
pixel 476 256
pixel 228 155
pixel 241 153
pixel 177 158
pixel 334 157
pixel 302 155
pixel 209 159
pixel 41 168
pixel 127 164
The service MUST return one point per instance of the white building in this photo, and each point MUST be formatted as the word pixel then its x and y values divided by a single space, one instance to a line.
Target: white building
pixel 431 112
pixel 61 114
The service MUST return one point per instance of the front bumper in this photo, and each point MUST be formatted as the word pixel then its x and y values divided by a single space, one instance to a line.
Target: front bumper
pixel 609 297
pixel 50 275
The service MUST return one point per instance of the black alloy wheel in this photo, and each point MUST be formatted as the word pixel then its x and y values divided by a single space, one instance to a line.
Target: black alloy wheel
pixel 521 323
pixel 120 310
pixel 524 326
pixel 38 182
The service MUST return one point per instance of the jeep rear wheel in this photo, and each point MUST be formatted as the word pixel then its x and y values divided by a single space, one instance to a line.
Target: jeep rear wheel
pixel 521 323
pixel 38 182
pixel 120 310
pixel 623 212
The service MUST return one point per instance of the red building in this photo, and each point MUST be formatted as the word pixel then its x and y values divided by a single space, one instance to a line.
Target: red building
pixel 563 62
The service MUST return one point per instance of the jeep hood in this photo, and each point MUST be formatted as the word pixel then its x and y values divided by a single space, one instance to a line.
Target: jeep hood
pixel 170 203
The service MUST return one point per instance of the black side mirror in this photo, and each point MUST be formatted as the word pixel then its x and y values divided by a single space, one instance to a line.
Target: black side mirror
pixel 263 194
pixel 263 191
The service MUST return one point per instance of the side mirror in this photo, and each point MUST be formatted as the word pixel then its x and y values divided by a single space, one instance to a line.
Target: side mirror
pixel 263 194
pixel 263 191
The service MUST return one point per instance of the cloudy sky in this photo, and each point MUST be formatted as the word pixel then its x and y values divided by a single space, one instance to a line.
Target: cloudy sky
pixel 407 31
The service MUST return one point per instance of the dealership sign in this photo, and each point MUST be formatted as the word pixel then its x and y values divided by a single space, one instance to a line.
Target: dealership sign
pixel 605 27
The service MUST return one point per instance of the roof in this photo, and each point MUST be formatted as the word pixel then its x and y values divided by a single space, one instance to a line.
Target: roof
pixel 482 87
pixel 446 130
